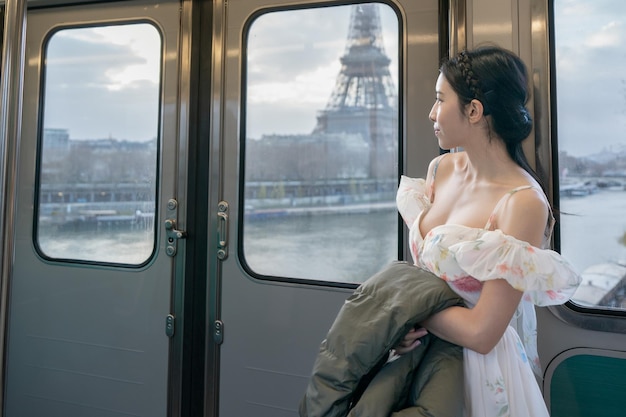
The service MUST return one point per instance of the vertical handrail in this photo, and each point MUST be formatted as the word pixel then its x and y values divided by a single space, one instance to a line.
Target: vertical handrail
pixel 457 26
pixel 11 86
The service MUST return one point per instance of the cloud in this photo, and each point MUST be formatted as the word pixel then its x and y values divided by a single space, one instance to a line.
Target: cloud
pixel 574 8
pixel 280 47
pixel 591 99
pixel 280 118
pixel 98 87
pixel 103 82
pixel 293 63
pixel 590 82
pixel 608 35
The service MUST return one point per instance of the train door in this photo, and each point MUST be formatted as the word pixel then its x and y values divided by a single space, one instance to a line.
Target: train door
pixel 313 132
pixel 98 201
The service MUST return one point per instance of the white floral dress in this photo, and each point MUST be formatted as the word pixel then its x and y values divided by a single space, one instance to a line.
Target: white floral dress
pixel 500 383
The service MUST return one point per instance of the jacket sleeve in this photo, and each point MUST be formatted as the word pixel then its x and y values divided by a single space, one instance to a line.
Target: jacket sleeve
pixel 425 382
pixel 372 320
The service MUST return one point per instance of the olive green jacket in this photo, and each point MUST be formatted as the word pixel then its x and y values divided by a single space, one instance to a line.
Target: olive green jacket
pixel 352 375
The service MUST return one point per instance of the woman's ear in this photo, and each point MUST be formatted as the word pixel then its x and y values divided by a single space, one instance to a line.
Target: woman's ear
pixel 474 111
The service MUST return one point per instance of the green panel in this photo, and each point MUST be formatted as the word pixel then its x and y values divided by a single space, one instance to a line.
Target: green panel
pixel 587 385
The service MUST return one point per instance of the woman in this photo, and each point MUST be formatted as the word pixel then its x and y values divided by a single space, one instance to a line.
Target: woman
pixel 478 221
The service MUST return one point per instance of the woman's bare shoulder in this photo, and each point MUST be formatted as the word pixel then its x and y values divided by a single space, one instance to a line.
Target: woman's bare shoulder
pixel 525 215
pixel 444 164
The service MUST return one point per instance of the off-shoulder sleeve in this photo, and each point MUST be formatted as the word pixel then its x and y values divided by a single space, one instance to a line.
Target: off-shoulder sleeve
pixel 411 198
pixel 545 277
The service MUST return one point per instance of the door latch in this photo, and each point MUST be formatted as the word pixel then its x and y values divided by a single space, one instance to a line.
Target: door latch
pixel 222 230
pixel 172 233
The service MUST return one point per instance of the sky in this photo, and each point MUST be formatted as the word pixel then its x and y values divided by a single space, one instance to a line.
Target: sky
pixel 107 79
pixel 292 77
pixel 591 77
pixel 103 82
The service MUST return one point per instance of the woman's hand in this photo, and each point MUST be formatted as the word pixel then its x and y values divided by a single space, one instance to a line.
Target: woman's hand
pixel 410 341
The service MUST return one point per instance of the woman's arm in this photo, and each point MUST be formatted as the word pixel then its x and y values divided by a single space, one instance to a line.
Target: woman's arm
pixel 524 216
pixel 479 328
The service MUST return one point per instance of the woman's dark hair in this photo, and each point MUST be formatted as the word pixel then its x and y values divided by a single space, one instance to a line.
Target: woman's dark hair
pixel 498 79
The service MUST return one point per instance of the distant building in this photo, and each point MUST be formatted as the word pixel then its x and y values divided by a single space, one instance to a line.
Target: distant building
pixel 364 100
pixel 56 139
pixel 356 135
pixel 65 161
pixel 307 157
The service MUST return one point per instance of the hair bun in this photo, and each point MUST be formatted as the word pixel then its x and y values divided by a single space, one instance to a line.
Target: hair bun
pixel 513 123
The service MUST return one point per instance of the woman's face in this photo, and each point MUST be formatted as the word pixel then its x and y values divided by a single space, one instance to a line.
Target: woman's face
pixel 449 122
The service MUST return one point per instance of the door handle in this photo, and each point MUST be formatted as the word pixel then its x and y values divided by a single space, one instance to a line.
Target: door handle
pixel 222 230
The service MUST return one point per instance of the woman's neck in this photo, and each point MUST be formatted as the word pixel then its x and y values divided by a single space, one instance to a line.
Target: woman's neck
pixel 488 161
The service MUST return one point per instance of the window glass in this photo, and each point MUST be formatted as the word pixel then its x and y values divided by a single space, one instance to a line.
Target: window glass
pixel 590 52
pixel 321 143
pixel 98 160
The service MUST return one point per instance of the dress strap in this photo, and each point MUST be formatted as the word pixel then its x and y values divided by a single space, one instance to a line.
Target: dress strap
pixel 547 234
pixel 505 197
pixel 432 183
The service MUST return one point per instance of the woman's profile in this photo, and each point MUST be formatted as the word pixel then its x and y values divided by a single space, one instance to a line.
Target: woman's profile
pixel 481 222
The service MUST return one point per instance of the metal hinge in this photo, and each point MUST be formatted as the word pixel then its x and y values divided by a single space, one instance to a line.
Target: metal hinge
pixel 218 332
pixel 170 325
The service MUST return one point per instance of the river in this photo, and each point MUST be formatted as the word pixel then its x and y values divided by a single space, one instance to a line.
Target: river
pixel 350 247
pixel 593 228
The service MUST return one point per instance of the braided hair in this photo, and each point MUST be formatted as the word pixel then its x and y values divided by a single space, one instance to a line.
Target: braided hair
pixel 498 79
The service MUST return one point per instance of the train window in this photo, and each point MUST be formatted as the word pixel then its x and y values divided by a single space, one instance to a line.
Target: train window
pixel 321 143
pixel 98 144
pixel 590 43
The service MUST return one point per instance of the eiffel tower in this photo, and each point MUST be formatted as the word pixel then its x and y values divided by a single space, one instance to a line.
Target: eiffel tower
pixel 364 99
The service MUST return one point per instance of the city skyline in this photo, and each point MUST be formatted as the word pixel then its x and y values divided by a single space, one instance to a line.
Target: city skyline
pixel 590 89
